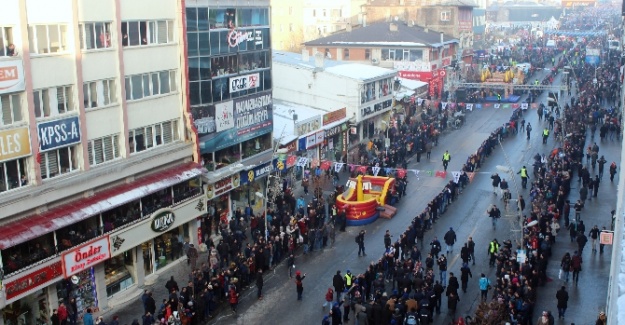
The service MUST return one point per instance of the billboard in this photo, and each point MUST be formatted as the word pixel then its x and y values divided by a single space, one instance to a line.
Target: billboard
pixel 242 119
pixel 11 76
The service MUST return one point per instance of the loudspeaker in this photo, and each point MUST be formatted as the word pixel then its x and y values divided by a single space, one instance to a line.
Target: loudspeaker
pixel 461 95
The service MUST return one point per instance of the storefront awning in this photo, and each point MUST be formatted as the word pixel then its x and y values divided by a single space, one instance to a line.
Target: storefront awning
pixel 31 227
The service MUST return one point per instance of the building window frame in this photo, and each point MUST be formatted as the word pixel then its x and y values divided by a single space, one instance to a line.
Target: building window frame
pixel 59 161
pixel 152 136
pixel 139 33
pixel 6 39
pixel 95 36
pixel 42 39
pixel 19 178
pixel 445 15
pixel 367 54
pixel 46 98
pixel 151 84
pixel 104 149
pixel 11 108
pixel 99 93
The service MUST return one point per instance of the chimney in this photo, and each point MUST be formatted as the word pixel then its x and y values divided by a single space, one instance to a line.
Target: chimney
pixel 319 58
pixel 305 55
pixel 393 27
pixel 348 27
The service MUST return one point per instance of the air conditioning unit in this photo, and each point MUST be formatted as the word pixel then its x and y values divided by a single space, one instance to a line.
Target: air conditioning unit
pixel 375 61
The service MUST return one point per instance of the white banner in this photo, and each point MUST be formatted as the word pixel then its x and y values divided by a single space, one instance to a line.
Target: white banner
pixel 497 106
pixel 376 170
pixel 11 76
pixel 444 105
pixel 456 177
pixel 302 161
pixel 224 116
pixel 470 107
pixel 524 106
pixel 338 167
pixel 246 82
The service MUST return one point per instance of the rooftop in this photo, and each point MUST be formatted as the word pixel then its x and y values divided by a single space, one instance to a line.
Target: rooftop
pixel 283 118
pixel 296 60
pixel 380 34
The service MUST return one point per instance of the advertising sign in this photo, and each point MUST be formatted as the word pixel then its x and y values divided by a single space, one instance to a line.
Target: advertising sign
pixel 14 143
pixel 246 82
pixel 252 116
pixel 308 125
pixel 311 141
pixel 422 66
pixel 85 256
pixel 162 221
pixel 11 76
pixel 416 75
pixel 224 116
pixel 334 116
pixel 290 147
pixel 222 186
pixel 32 280
pixel 58 133
pixel 606 237
pixel 248 176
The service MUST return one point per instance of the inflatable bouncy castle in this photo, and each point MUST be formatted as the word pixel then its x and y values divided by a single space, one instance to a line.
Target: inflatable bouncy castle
pixel 364 195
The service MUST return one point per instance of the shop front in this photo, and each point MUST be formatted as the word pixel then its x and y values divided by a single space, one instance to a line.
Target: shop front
pixel 334 124
pixel 371 119
pixel 253 181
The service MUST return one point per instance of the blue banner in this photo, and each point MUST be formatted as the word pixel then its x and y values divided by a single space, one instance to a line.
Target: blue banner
pixel 248 176
pixel 592 59
pixel 58 133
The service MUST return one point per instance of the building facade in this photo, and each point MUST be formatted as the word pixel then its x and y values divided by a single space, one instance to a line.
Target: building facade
pixel 230 100
pixel 98 186
pixel 415 52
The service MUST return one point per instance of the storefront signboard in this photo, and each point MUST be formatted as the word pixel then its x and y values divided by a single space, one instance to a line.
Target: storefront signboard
pixel 14 143
pixel 253 117
pixel 334 131
pixel 58 133
pixel 334 116
pixel 86 256
pixel 137 234
pixel 222 186
pixel 290 147
pixel 162 221
pixel 308 125
pixel 34 279
pixel 240 83
pixel 248 176
pixel 11 76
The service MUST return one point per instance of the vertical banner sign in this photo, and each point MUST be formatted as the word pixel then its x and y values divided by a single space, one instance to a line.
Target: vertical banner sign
pixel 456 176
pixel 376 170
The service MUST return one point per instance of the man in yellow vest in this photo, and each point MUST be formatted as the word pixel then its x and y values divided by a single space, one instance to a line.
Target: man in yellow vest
pixel 545 135
pixel 493 249
pixel 348 280
pixel 524 177
pixel 446 158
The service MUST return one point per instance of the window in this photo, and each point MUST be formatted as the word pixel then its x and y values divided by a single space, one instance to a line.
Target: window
pixel 345 54
pixel 291 27
pixel 103 149
pixel 314 12
pixel 99 93
pixel 150 84
pixel 53 101
pixel 6 42
pixel 10 109
pixel 143 33
pixel 148 137
pixel 367 54
pixel 13 174
pixel 95 36
pixel 445 16
pixel 46 39
pixel 59 162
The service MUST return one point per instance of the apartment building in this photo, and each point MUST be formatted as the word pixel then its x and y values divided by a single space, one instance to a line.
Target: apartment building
pixel 98 188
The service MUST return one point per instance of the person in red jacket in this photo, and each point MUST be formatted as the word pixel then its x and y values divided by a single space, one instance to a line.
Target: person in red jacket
pixel 63 314
pixel 233 298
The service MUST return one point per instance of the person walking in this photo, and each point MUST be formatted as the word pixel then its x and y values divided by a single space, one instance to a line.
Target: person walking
pixel 496 180
pixel 545 135
pixel 291 265
pixel 528 130
pixel 565 267
pixel 87 319
pixel 387 239
pixel 465 273
pixel 576 266
pixel 360 240
pixel 612 171
pixel 494 213
pixel 452 303
pixel 442 268
pixel 594 235
pixel 471 246
pixel 233 299
pixel 595 185
pixel 524 177
pixel 563 298
pixel 259 284
pixel 484 286
pixel 329 299
pixel 602 161
pixel 446 159
pixel 581 241
pixel 493 249
pixel 339 285
pixel 192 254
pixel 299 285
pixel 450 239
pixel 63 314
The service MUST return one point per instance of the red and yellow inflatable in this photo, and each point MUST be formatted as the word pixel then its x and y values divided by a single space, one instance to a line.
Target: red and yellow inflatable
pixel 365 195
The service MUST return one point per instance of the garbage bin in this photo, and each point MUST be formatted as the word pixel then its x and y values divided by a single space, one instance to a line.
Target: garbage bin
pixel 162 261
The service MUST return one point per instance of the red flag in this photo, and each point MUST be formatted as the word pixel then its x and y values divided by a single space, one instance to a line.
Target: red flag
pixel 325 165
pixel 290 161
pixel 362 169
pixel 401 173
pixel 441 174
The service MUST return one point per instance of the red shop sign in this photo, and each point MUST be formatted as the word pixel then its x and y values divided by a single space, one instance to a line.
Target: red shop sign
pixel 33 280
pixel 416 75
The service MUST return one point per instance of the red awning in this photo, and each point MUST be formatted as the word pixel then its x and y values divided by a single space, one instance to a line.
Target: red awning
pixel 31 227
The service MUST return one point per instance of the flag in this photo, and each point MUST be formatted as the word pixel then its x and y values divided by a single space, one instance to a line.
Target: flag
pixel 376 170
pixel 338 167
pixel 291 161
pixel 401 173
pixel 326 164
pixel 456 176
pixel 441 174
pixel 362 169
pixel 469 107
pixel 302 161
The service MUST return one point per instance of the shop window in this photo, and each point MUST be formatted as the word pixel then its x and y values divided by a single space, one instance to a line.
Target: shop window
pixel 256 145
pixel 121 216
pixel 155 201
pixel 59 162
pixel 227 156
pixel 187 189
pixel 117 276
pixel 168 247
pixel 10 109
pixel 23 255
pixel 13 174
pixel 78 233
pixel 84 291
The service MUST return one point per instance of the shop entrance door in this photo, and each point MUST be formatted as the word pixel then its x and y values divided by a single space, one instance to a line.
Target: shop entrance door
pixel 148 257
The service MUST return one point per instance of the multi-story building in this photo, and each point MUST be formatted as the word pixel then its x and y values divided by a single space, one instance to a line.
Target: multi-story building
pixel 230 99
pixel 416 52
pixel 297 21
pixel 98 189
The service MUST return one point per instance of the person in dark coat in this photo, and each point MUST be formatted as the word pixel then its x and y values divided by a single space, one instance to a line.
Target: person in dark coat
pixel 259 284
pixel 452 303
pixel 339 285
pixel 171 285
pixel 563 300
pixel 465 273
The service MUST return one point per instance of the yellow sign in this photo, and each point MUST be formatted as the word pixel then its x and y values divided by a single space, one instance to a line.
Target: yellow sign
pixel 250 176
pixel 14 143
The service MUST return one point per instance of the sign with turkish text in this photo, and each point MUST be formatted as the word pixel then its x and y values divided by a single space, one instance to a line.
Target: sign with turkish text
pixel 11 76
pixel 248 176
pixel 606 237
pixel 465 25
pixel 419 66
pixel 85 256
pixel 416 75
pixel 311 141
pixel 290 147
pixel 320 135
pixel 224 116
pixel 14 143
pixel 246 82
pixel 162 221
pixel 333 131
pixel 308 125
pixel 222 186
pixel 236 37
pixel 32 280
pixel 334 116
pixel 58 133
